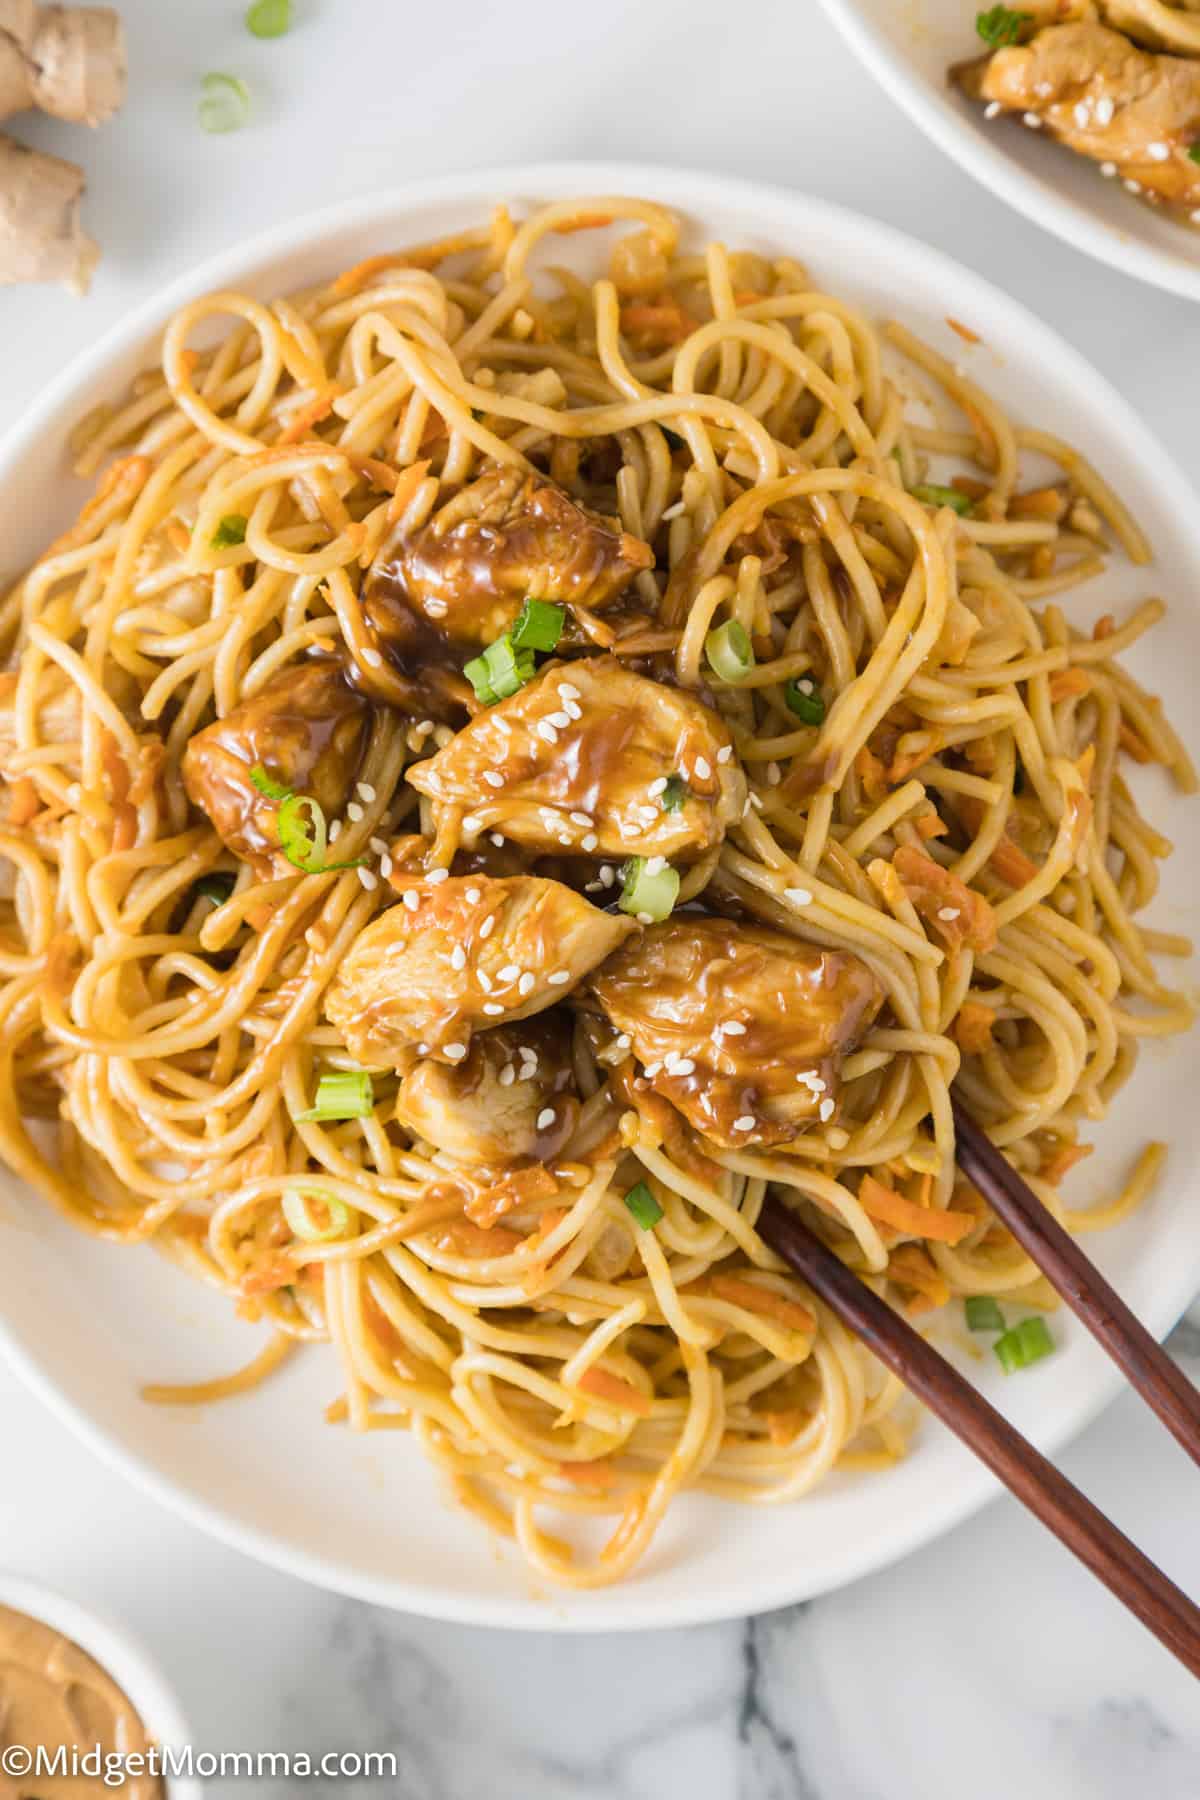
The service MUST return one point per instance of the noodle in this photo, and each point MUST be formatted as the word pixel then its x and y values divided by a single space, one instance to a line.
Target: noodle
pixel 958 823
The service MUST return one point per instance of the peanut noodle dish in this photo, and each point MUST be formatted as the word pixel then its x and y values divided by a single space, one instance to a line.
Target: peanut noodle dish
pixel 513 764
pixel 1115 80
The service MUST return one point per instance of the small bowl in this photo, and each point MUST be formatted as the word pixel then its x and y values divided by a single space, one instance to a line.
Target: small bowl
pixel 908 45
pixel 120 1656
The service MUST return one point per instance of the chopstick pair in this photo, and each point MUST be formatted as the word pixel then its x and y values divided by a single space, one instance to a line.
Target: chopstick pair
pixel 1128 1574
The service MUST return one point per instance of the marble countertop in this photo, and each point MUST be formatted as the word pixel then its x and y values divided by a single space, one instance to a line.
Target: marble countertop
pixel 987 1665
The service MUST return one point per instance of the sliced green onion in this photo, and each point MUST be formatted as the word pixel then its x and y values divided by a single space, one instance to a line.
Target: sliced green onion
pixel 805 701
pixel 344 1094
pixel 982 1313
pixel 1000 25
pixel 304 1225
pixel 231 530
pixel 269 18
pixel 1026 1343
pixel 216 887
pixel 675 795
pixel 479 676
pixel 933 495
pixel 267 785
pixel 540 626
pixel 730 652
pixel 224 103
pixel 304 841
pixel 644 1207
pixel 1194 152
pixel 501 670
pixel 649 894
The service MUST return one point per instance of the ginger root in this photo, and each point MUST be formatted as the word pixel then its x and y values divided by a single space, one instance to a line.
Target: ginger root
pixel 68 61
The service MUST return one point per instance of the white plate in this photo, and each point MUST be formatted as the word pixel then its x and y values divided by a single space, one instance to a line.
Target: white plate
pixel 908 45
pixel 86 1323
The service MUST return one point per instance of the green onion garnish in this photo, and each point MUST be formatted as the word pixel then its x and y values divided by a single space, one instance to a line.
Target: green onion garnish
pixel 933 495
pixel 1026 1343
pixel 644 1207
pixel 539 626
pixel 304 1225
pixel 224 104
pixel 675 795
pixel 982 1313
pixel 304 841
pixel 216 887
pixel 651 888
pixel 344 1094
pixel 730 652
pixel 1194 152
pixel 501 670
pixel 267 785
pixel 1000 25
pixel 804 700
pixel 231 530
pixel 269 18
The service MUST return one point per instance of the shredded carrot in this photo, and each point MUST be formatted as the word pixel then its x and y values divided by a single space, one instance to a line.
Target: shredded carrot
pixel 871 772
pixel 614 1392
pixel 973 1027
pixel 964 331
pixel 1067 683
pixel 967 484
pixel 1137 747
pixel 663 319
pixel 350 280
pixel 957 912
pixel 921 746
pixel 746 297
pixel 24 801
pixel 1048 503
pixel 931 825
pixel 125 479
pixel 1011 864
pixel 178 535
pixel 755 1299
pixel 784 1427
pixel 406 486
pixel 1060 1162
pixel 317 409
pixel 910 1267
pixel 276 1272
pixel 908 1216
pixel 462 1238
pixel 599 1475
pixel 585 222
pixel 1085 764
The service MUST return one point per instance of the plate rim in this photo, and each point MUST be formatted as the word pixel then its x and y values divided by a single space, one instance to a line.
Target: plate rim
pixel 1027 194
pixel 691 190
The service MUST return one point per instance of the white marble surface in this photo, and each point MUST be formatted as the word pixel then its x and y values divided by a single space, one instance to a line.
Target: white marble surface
pixel 987 1666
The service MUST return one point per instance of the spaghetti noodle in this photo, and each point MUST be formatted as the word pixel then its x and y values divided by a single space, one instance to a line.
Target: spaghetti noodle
pixel 902 782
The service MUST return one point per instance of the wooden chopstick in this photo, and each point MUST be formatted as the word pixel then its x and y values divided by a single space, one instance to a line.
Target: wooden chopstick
pixel 1162 1385
pixel 1137 1582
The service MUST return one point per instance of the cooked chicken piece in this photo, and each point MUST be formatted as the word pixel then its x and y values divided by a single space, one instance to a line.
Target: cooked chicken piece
pixel 591 757
pixel 460 955
pixel 512 1099
pixel 1097 92
pixel 741 1028
pixel 306 728
pixel 433 599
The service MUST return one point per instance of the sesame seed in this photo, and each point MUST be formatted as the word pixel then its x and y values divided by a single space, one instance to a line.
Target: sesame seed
pixel 473 896
pixel 774 774
pixel 546 731
pixel 755 802
pixel 817 1085
pixel 724 753
pixel 426 726
pixel 455 1052
pixel 745 1123
pixel 948 912
pixel 568 691
pixel 1108 170
pixel 652 1069
pixel 525 1053
pixel 509 972
pixel 592 887
pixel 1133 187
pixel 1195 218
pixel 655 865
pixel 581 818
pixel 624 1041
pixel 487 928
pixel 354 811
pixel 436 876
pixel 385 866
pixel 493 778
pixel 335 831
pixel 365 791
pixel 826 1110
pixel 591 842
pixel 1034 123
pixel 411 899
pixel 1105 109
pixel 798 896
pixel 436 609
pixel 993 110
pixel 472 823
pixel 558 977
pixel 607 874
pixel 674 512
pixel 685 1066
pixel 527 983
pixel 545 1118
pixel 528 1072
pixel 645 918
pixel 458 957
pixel 371 657
pixel 422 1049
pixel 378 846
pixel 805 686
pixel 648 815
pixel 657 787
pixel 702 767
pixel 484 980
pixel 734 1027
pixel 497 838
pixel 507 1075
pixel 491 1007
pixel 502 726
pixel 566 840
pixel 560 720
pixel 1158 152
pixel 572 710
pixel 368 879
pixel 1083 114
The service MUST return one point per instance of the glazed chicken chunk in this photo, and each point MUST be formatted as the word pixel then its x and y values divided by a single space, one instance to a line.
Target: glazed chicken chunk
pixel 510 1100
pixel 742 1029
pixel 457 956
pixel 438 594
pixel 1100 94
pixel 306 728
pixel 591 757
